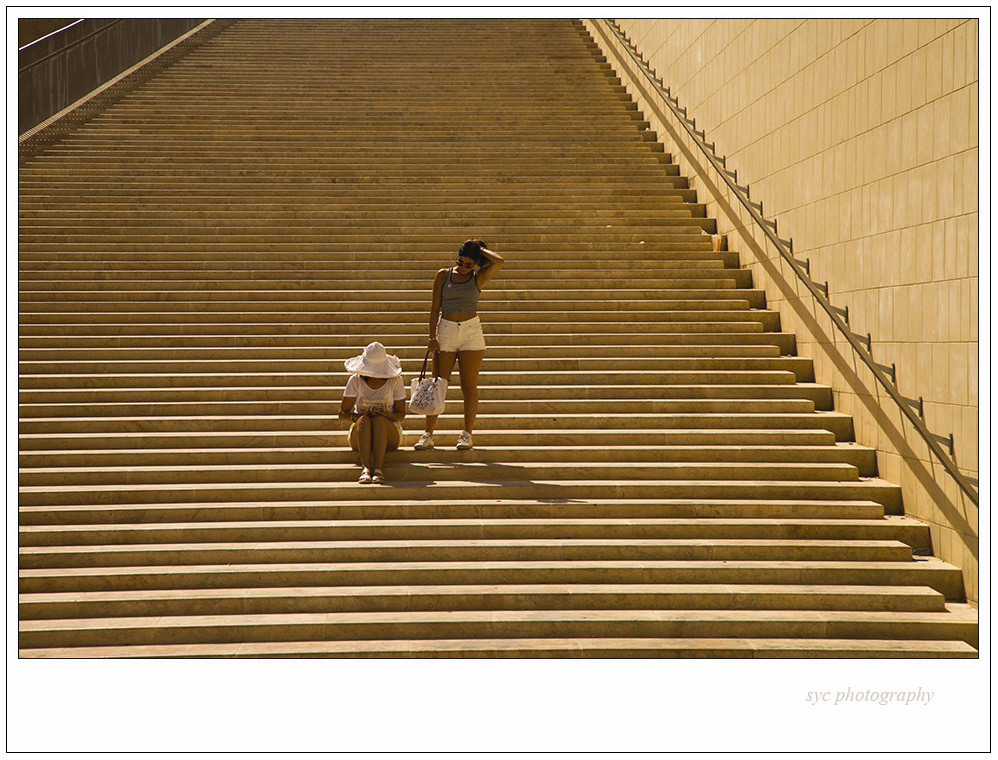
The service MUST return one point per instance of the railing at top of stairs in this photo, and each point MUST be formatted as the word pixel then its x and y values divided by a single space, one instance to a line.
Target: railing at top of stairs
pixel 862 345
pixel 27 50
pixel 57 70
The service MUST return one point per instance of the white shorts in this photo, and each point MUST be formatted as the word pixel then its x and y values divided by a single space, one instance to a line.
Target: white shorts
pixel 460 336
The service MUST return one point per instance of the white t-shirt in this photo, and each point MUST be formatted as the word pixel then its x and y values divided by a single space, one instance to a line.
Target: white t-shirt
pixel 369 398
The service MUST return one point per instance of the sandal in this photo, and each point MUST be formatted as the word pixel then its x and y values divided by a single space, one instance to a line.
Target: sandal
pixel 365 476
pixel 379 477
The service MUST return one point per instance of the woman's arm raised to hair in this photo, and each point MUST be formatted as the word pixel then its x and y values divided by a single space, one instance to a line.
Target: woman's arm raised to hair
pixel 438 286
pixel 489 271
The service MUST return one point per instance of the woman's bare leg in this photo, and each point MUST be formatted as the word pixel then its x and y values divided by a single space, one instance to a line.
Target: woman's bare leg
pixel 470 364
pixel 379 441
pixel 444 369
pixel 364 441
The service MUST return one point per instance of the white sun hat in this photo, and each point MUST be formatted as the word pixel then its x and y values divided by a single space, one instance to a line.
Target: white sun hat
pixel 374 362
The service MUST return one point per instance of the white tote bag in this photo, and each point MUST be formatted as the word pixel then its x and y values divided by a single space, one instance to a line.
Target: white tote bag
pixel 428 394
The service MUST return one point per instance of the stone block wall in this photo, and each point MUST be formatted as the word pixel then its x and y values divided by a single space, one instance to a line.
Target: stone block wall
pixel 861 137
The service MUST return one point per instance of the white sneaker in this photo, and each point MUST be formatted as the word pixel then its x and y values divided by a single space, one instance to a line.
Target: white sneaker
pixel 424 443
pixel 464 441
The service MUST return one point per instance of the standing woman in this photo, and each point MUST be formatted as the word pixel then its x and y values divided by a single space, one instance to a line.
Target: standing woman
pixel 456 331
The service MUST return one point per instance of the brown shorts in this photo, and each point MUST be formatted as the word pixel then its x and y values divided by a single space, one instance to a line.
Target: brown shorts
pixel 394 436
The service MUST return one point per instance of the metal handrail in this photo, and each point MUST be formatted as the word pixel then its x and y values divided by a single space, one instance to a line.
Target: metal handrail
pixel 64 48
pixel 802 268
pixel 46 36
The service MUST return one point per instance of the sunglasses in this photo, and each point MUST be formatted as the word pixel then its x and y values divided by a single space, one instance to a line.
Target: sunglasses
pixel 462 265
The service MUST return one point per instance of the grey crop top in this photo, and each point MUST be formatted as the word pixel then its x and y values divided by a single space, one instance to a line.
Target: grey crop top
pixel 460 296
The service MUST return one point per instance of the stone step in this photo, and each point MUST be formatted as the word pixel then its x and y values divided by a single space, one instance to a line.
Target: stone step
pixel 507 426
pixel 344 107
pixel 530 83
pixel 665 230
pixel 315 225
pixel 955 625
pixel 682 239
pixel 115 604
pixel 658 243
pixel 330 407
pixel 563 378
pixel 819 395
pixel 399 341
pixel 516 274
pixel 472 155
pixel 306 360
pixel 862 457
pixel 409 353
pixel 554 135
pixel 736 318
pixel 533 84
pixel 232 65
pixel 492 509
pixel 560 91
pixel 339 110
pixel 616 256
pixel 646 367
pixel 905 530
pixel 129 285
pixel 616 263
pixel 411 276
pixel 619 265
pixel 538 163
pixel 683 321
pixel 127 154
pixel 607 191
pixel 484 439
pixel 139 118
pixel 656 177
pixel 356 170
pixel 568 343
pixel 626 131
pixel 927 572
pixel 872 489
pixel 681 289
pixel 545 647
pixel 462 550
pixel 704 302
pixel 426 118
pixel 403 473
pixel 404 184
pixel 527 83
pixel 507 213
pixel 527 331
pixel 318 400
pixel 608 196
pixel 28 204
pixel 632 266
pixel 374 151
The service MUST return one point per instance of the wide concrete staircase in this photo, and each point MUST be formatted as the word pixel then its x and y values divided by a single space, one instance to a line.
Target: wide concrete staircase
pixel 656 472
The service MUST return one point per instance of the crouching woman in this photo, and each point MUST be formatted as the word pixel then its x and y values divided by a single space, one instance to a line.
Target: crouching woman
pixel 374 402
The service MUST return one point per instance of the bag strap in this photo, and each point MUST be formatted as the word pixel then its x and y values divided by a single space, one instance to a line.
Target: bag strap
pixel 422 371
